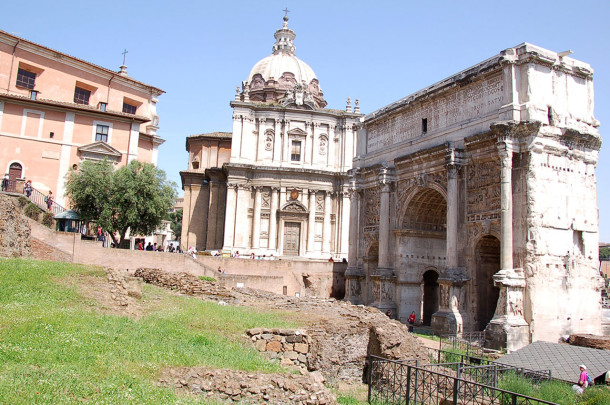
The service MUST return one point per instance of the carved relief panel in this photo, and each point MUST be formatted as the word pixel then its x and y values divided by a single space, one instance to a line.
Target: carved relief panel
pixel 483 190
pixel 371 206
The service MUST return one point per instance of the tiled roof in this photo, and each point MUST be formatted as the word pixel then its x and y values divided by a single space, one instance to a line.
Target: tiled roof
pixel 23 40
pixel 562 359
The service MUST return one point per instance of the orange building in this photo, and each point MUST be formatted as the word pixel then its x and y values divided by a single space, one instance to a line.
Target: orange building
pixel 57 110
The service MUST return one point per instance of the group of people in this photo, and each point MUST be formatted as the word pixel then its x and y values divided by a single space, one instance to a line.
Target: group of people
pixel 157 248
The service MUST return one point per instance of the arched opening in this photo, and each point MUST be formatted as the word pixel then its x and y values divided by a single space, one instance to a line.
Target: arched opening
pixel 427 211
pixel 14 173
pixel 431 296
pixel 487 255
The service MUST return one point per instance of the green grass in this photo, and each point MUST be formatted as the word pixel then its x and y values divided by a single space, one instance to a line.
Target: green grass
pixel 556 391
pixel 55 347
pixel 207 278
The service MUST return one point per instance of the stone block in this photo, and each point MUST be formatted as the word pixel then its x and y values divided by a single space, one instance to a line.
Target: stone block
pixel 260 345
pixel 254 331
pixel 301 348
pixel 274 346
pixel 294 338
pixel 287 346
pixel 292 355
pixel 267 336
pixel 302 358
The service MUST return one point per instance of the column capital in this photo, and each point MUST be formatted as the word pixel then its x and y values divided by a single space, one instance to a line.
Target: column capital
pixel 454 159
pixel 312 191
pixel 275 188
pixel 257 188
pixel 386 179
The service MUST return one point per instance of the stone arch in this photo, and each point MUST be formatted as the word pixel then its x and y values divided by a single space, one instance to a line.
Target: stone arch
pixel 425 210
pixel 487 263
pixel 294 206
pixel 430 294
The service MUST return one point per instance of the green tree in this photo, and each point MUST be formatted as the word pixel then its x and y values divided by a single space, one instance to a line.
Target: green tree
pixel 604 253
pixel 176 219
pixel 134 198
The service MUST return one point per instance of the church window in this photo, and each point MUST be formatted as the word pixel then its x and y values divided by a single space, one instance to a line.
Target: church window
pixel 101 133
pixel 129 109
pixel 26 79
pixel 295 152
pixel 81 96
pixel 424 125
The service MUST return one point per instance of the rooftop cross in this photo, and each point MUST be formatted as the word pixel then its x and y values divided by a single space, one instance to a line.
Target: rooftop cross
pixel 125 52
pixel 286 11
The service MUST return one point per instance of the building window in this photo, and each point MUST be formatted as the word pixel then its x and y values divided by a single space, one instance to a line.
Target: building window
pixel 103 106
pixel 424 125
pixel 295 152
pixel 101 133
pixel 33 94
pixel 81 96
pixel 129 109
pixel 26 79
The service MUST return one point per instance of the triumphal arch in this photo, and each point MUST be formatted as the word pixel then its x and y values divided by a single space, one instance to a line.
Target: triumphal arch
pixel 474 202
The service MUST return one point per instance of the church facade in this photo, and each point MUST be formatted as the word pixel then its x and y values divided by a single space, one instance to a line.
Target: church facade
pixel 474 202
pixel 284 186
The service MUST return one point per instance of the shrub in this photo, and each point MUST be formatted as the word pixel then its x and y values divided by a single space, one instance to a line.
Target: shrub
pixel 596 395
pixel 32 211
pixel 205 253
pixel 47 219
pixel 22 200
pixel 207 278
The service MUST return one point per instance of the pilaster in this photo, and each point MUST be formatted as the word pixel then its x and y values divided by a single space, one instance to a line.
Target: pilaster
pixel 229 233
pixel 326 227
pixel 273 218
pixel 256 218
pixel 311 224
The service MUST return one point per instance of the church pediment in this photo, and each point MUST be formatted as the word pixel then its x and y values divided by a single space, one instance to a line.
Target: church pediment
pixel 294 207
pixel 99 150
pixel 297 132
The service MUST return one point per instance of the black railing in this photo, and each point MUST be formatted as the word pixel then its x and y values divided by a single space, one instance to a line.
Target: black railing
pixel 485 371
pixel 404 382
pixel 468 342
pixel 38 198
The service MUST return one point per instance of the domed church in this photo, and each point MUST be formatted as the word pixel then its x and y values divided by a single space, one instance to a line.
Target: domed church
pixel 277 184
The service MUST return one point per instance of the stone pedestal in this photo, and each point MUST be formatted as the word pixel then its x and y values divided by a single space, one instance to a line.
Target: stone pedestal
pixel 508 329
pixel 384 285
pixel 355 282
pixel 448 320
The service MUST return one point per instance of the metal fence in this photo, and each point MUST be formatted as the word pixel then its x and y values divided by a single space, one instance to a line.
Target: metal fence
pixel 468 342
pixel 36 197
pixel 405 382
pixel 485 371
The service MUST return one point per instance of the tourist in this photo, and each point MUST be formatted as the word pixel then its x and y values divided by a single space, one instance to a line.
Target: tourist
pixel 388 313
pixel 411 321
pixel 100 234
pixel 155 247
pixel 252 256
pixel 149 247
pixel 140 246
pixel 331 260
pixel 236 254
pixel 5 182
pixel 582 380
pixel 27 188
pixel 49 200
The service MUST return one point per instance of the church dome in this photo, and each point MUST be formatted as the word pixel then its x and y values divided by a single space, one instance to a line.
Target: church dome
pixel 282 77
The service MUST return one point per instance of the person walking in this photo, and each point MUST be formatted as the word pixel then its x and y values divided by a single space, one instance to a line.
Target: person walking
pixel 411 321
pixel 49 200
pixel 27 188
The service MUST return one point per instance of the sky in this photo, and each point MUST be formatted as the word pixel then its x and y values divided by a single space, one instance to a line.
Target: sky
pixel 198 52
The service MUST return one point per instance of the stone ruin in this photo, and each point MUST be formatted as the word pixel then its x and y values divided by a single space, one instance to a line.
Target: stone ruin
pixel 14 230
pixel 332 346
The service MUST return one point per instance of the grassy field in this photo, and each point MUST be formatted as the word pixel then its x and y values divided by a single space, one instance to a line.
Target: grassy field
pixel 56 347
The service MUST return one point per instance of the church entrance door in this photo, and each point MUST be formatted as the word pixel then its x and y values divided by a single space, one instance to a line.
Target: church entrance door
pixel 14 173
pixel 431 296
pixel 488 263
pixel 292 237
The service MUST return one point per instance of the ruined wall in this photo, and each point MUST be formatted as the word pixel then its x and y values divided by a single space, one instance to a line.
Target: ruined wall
pixel 14 230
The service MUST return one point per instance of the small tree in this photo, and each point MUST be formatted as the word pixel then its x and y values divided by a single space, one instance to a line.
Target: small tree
pixel 134 198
